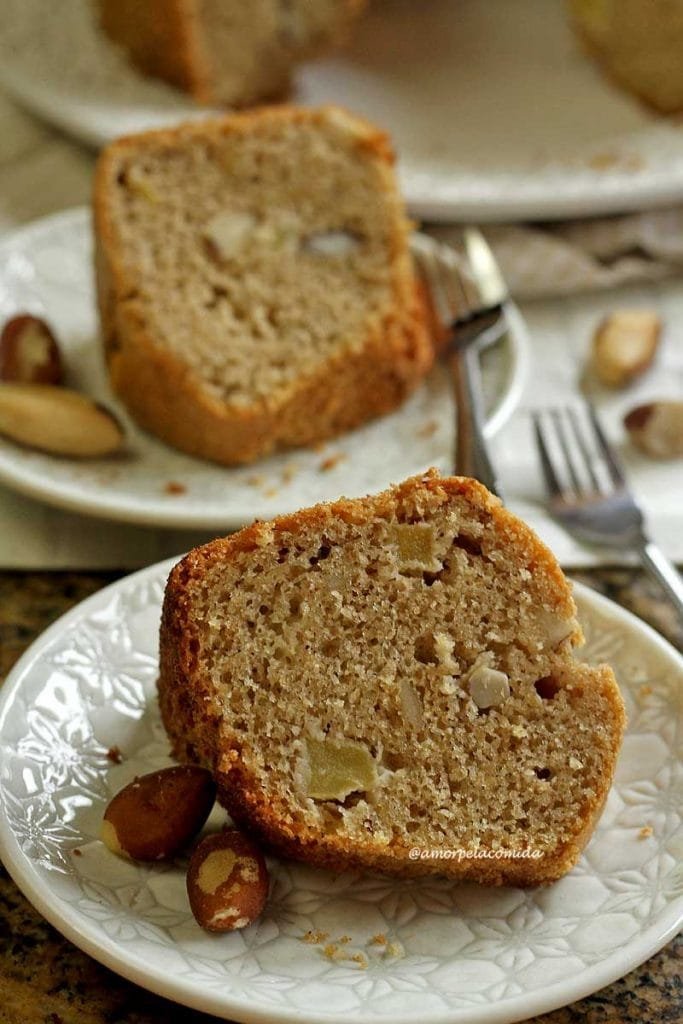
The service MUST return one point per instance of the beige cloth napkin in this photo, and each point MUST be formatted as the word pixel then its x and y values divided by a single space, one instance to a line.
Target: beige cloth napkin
pixel 546 260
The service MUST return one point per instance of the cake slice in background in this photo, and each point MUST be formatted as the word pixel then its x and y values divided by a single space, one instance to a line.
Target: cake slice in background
pixel 226 52
pixel 393 674
pixel 255 282
pixel 639 44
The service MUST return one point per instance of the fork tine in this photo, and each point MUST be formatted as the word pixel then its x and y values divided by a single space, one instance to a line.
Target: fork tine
pixel 584 448
pixel 561 433
pixel 551 479
pixel 615 470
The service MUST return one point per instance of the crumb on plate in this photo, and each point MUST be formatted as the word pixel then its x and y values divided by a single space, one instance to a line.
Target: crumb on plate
pixel 331 462
pixel 428 429
pixel 175 487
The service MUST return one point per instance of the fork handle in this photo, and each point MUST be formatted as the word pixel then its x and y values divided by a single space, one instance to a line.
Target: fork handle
pixel 471 455
pixel 662 570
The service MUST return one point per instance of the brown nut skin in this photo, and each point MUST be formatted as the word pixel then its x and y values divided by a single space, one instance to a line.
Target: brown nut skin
pixel 625 345
pixel 58 421
pixel 227 881
pixel 157 815
pixel 656 428
pixel 29 353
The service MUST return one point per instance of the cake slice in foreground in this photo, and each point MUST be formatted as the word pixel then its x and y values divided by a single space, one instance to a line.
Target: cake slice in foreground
pixel 393 674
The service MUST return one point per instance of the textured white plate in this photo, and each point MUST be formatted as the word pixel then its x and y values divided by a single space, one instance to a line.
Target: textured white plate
pixel 463 953
pixel 495 112
pixel 47 268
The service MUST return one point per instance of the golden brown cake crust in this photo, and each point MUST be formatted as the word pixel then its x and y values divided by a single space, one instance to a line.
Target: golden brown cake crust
pixel 158 36
pixel 193 721
pixel 165 396
pixel 637 46
pixel 169 39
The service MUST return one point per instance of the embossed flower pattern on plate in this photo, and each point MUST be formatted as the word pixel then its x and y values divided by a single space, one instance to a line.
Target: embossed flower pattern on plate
pixel 416 950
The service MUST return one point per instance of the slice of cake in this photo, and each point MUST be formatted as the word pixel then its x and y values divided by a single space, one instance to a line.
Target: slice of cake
pixel 255 283
pixel 232 52
pixel 639 43
pixel 389 683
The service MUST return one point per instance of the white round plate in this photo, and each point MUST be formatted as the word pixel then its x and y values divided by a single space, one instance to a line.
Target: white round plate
pixel 495 111
pixel 46 268
pixel 459 954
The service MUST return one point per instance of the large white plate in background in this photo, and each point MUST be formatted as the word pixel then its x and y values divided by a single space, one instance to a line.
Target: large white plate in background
pixel 495 111
pixel 46 268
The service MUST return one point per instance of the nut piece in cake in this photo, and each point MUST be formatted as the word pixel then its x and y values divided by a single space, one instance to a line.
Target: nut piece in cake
pixel 332 243
pixel 488 687
pixel 415 543
pixel 228 232
pixel 335 768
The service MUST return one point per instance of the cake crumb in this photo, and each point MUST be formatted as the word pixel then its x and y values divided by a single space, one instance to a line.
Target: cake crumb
pixel 271 492
pixel 255 480
pixel 331 462
pixel 334 951
pixel 378 940
pixel 315 938
pixel 603 161
pixel 645 832
pixel 395 949
pixel 289 472
pixel 114 755
pixel 428 429
pixel 644 690
pixel 77 852
pixel 607 160
pixel 175 487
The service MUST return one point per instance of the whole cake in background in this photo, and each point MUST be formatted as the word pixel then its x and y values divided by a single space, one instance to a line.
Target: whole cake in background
pixel 226 52
pixel 639 43
pixel 255 283
pixel 390 683
pixel 239 53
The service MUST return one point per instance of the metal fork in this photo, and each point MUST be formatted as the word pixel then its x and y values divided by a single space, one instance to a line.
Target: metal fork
pixel 471 308
pixel 588 493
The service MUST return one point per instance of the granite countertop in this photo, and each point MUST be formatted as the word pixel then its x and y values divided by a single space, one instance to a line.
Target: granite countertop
pixel 44 979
